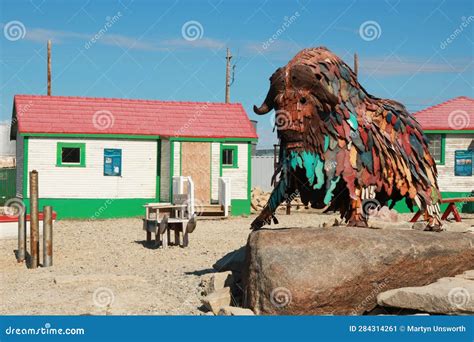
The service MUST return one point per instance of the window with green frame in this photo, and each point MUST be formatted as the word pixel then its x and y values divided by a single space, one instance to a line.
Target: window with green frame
pixel 70 154
pixel 436 146
pixel 229 156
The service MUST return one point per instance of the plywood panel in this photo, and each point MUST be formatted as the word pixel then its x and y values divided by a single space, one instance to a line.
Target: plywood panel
pixel 196 161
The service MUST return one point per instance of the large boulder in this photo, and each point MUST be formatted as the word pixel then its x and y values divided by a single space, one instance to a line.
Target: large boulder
pixel 341 270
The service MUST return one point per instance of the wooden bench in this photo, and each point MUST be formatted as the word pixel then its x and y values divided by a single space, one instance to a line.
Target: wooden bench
pixel 162 218
pixel 451 208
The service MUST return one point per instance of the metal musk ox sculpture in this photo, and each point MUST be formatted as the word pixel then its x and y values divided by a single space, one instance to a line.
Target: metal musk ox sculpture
pixel 342 148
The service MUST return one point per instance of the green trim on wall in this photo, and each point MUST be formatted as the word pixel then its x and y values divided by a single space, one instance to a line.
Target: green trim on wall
pixel 448 131
pixel 171 169
pixel 25 167
pixel 82 157
pixel 240 207
pixel 249 172
pixel 213 139
pixel 235 164
pixel 443 149
pixel 86 135
pixel 94 208
pixel 401 206
pixel 158 170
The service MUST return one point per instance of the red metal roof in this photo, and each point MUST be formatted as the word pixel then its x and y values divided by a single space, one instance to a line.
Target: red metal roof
pixel 85 115
pixel 454 114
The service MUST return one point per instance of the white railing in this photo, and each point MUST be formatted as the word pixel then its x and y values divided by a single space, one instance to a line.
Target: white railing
pixel 224 194
pixel 179 183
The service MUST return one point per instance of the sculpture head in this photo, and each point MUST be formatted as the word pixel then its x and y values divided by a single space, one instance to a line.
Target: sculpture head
pixel 300 99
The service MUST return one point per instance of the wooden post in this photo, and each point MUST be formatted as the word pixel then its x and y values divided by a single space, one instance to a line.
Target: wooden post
pixel 47 236
pixel 21 254
pixel 356 64
pixel 49 67
pixel 227 76
pixel 34 219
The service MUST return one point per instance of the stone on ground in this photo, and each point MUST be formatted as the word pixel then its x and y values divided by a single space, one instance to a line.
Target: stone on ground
pixel 217 299
pixel 341 270
pixel 451 296
pixel 235 311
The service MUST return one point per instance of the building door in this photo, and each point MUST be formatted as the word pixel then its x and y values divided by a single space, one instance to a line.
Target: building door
pixel 196 162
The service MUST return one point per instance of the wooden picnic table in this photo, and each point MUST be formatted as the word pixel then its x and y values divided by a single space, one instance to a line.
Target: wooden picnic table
pixel 161 218
pixel 451 208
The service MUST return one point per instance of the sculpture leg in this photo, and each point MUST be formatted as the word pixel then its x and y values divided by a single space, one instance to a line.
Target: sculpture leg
pixel 432 216
pixel 268 213
pixel 356 217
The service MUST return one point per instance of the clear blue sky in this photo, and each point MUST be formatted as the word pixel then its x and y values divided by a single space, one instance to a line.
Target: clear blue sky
pixel 144 53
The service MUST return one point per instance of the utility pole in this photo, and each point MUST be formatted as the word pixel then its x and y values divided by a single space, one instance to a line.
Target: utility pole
pixel 227 76
pixel 356 64
pixel 49 67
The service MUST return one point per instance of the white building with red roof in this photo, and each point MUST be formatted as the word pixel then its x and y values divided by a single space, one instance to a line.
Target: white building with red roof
pixel 450 128
pixel 100 157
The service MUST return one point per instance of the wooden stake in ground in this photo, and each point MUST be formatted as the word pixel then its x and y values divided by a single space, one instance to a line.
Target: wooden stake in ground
pixel 34 220
pixel 227 76
pixel 47 236
pixel 49 67
pixel 21 253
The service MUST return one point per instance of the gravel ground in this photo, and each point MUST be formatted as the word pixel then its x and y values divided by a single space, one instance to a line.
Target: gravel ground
pixel 105 267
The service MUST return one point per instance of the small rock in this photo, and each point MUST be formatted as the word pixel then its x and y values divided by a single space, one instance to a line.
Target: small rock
pixel 216 281
pixel 216 300
pixel 459 227
pixel 449 296
pixel 377 223
pixel 386 214
pixel 234 311
pixel 419 225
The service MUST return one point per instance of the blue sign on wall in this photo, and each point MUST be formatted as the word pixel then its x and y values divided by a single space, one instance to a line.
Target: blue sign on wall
pixel 463 163
pixel 112 162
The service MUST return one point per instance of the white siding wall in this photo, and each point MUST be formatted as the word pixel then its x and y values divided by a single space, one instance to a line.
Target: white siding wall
pixel 238 175
pixel 138 178
pixel 447 181
pixel 19 165
pixel 177 159
pixel 165 171
pixel 215 171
